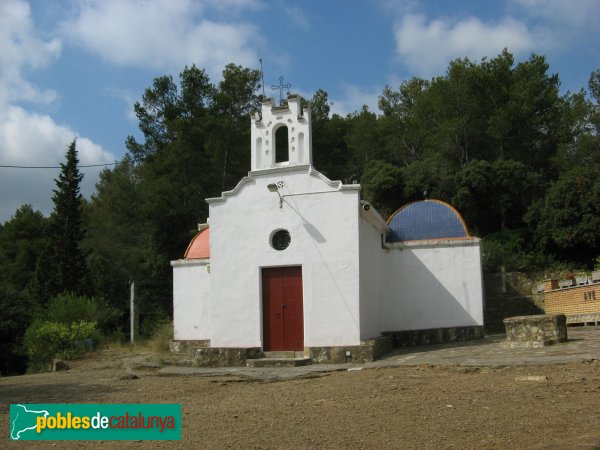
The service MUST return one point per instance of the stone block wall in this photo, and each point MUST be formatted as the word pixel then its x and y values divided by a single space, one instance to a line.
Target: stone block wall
pixel 535 331
pixel 225 357
pixel 381 345
pixel 178 346
pixel 411 338
pixel 369 350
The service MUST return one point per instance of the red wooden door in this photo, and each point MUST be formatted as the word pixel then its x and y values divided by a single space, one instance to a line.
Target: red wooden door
pixel 283 317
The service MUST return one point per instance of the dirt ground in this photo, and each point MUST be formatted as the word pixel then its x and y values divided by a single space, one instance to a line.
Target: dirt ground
pixel 549 406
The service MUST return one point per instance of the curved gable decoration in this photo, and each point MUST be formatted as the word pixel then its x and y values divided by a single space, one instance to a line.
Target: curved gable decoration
pixel 426 220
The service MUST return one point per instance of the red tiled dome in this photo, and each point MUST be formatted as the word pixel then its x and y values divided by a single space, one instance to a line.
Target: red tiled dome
pixel 199 248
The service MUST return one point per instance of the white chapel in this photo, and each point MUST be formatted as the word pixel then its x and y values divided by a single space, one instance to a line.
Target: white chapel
pixel 290 261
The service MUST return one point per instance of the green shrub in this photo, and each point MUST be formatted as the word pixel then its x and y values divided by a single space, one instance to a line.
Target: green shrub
pixel 68 308
pixel 65 328
pixel 16 315
pixel 508 249
pixel 117 336
pixel 45 340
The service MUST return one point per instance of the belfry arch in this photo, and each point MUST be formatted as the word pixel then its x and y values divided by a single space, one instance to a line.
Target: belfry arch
pixel 282 144
pixel 281 135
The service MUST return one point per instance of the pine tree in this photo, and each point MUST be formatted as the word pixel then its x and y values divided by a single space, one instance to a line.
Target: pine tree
pixel 62 266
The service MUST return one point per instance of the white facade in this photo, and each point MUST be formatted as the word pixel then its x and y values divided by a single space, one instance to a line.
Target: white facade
pixel 354 286
pixel 191 285
pixel 242 223
pixel 432 284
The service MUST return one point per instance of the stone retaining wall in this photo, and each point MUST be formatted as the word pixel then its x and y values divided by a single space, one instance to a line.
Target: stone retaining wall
pixel 369 350
pixel 225 357
pixel 187 346
pixel 535 331
pixel 411 338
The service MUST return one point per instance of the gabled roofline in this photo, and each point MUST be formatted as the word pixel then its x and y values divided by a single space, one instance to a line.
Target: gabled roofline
pixel 253 175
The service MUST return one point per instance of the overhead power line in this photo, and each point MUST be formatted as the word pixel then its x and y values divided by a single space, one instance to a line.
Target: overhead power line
pixel 53 167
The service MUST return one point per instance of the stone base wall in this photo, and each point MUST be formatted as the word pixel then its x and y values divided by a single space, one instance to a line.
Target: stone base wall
pixel 535 331
pixel 187 346
pixel 412 338
pixel 225 357
pixel 381 345
pixel 369 350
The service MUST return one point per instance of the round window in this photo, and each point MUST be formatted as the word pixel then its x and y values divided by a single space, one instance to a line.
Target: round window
pixel 280 240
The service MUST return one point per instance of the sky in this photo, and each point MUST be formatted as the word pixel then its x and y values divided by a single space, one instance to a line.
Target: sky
pixel 74 68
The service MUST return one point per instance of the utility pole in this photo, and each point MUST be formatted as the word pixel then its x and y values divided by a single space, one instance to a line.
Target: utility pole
pixel 133 325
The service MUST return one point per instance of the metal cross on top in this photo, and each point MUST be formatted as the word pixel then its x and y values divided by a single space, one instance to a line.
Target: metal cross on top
pixel 281 87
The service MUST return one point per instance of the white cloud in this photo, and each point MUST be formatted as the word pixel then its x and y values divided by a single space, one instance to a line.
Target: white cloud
pixel 19 49
pixel 27 138
pixel 353 99
pixel 234 4
pixel 428 46
pixel 162 34
pixel 573 14
pixel 295 15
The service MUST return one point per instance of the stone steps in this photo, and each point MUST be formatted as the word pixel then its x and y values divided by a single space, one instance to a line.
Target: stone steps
pixel 500 307
pixel 284 354
pixel 278 362
pixel 519 307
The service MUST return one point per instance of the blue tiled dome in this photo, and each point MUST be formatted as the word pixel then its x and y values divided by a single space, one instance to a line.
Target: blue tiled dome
pixel 427 219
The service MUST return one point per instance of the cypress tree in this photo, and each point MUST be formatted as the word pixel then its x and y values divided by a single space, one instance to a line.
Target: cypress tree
pixel 62 266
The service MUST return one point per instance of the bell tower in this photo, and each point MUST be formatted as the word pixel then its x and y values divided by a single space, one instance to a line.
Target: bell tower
pixel 281 135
